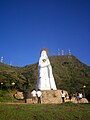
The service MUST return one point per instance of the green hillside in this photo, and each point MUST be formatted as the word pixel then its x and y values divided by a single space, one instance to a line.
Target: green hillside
pixel 70 74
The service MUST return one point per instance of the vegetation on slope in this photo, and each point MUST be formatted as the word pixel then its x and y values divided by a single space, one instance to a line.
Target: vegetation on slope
pixel 70 74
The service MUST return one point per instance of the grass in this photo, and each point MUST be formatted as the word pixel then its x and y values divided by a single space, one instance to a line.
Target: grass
pixel 67 111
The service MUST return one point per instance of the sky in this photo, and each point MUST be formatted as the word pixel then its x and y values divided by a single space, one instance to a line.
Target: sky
pixel 27 26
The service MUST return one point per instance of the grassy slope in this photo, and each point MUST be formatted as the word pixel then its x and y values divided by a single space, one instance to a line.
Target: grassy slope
pixel 67 111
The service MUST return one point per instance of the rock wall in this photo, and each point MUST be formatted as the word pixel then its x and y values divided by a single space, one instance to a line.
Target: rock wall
pixel 48 96
pixel 51 96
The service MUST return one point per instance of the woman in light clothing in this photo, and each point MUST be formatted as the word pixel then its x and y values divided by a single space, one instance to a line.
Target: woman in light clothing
pixel 33 93
pixel 39 95
pixel 63 96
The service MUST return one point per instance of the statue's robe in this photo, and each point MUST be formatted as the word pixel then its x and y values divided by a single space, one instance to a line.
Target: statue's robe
pixel 45 76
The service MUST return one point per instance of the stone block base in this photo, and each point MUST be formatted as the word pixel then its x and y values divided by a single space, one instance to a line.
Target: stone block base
pixel 48 97
pixel 51 96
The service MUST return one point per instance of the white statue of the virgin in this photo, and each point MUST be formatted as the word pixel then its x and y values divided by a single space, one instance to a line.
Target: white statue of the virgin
pixel 45 76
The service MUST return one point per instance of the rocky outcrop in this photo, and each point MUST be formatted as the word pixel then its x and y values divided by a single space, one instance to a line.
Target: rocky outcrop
pixel 19 95
pixel 83 100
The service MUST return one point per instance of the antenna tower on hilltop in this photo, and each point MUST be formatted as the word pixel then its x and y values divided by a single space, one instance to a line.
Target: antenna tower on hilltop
pixel 58 52
pixel 69 52
pixel 62 52
pixel 1 60
pixel 10 63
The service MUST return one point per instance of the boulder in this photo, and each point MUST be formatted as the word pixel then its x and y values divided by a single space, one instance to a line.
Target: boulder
pixel 19 95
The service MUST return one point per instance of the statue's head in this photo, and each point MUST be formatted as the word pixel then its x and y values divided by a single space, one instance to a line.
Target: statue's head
pixel 44 52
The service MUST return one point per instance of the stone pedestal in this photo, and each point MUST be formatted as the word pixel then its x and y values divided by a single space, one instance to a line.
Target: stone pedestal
pixel 51 96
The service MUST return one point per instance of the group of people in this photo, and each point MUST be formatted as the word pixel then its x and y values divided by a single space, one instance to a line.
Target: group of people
pixel 37 94
pixel 78 96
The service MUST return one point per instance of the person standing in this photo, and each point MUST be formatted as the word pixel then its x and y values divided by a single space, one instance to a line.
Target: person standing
pixel 77 97
pixel 39 95
pixel 80 97
pixel 70 97
pixel 33 93
pixel 63 96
